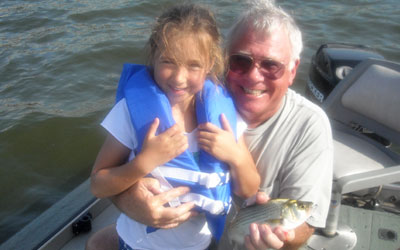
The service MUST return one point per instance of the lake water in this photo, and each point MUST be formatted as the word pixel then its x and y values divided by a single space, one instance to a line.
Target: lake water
pixel 60 63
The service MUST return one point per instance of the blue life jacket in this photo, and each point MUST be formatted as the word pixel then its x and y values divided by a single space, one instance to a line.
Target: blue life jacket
pixel 209 179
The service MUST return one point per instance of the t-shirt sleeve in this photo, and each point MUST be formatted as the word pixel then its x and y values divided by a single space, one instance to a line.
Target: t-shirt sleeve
pixel 241 125
pixel 118 124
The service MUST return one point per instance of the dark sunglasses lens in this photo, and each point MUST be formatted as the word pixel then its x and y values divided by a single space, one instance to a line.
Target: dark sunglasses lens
pixel 273 68
pixel 240 64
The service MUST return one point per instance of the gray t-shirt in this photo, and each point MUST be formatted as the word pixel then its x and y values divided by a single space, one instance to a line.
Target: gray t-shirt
pixel 293 153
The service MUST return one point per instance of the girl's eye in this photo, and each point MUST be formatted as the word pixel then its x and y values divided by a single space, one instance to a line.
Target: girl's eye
pixel 194 66
pixel 166 61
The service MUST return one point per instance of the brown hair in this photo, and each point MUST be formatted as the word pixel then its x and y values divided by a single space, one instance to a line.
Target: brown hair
pixel 188 20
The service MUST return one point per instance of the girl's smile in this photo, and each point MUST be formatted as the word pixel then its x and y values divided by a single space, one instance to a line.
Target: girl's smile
pixel 180 72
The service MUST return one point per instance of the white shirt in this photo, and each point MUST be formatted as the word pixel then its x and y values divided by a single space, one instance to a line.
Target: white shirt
pixel 191 235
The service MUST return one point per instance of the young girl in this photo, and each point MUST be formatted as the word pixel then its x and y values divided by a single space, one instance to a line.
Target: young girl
pixel 153 127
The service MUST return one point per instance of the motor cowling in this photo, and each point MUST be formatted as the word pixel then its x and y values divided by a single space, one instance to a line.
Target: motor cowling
pixel 330 64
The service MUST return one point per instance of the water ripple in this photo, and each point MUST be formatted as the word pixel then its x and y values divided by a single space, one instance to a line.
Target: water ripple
pixel 60 63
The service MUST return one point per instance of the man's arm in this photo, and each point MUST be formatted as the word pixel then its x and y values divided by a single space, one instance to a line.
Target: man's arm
pixel 144 202
pixel 302 234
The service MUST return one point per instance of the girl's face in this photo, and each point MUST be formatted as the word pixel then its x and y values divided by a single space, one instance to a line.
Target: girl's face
pixel 181 71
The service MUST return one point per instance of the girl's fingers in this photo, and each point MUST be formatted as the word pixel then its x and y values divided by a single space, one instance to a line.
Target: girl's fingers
pixel 205 135
pixel 153 128
pixel 172 131
pixel 208 126
pixel 174 136
pixel 205 148
pixel 225 123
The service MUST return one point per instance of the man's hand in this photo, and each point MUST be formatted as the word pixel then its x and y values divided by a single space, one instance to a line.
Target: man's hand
pixel 262 236
pixel 144 202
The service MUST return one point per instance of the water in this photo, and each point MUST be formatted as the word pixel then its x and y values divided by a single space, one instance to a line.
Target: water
pixel 60 62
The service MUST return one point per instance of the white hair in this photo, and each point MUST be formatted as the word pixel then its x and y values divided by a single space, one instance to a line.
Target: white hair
pixel 264 16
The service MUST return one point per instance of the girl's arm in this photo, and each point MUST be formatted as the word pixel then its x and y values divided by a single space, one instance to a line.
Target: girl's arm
pixel 221 144
pixel 112 174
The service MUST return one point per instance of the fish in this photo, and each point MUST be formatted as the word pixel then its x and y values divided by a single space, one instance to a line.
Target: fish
pixel 287 213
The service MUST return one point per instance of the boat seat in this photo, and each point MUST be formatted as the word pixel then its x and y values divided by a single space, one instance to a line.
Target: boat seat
pixel 365 103
pixel 354 155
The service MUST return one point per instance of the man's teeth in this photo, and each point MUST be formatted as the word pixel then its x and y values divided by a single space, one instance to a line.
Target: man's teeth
pixel 255 92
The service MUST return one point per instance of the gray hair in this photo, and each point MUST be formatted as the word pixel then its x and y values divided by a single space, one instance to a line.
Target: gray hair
pixel 264 16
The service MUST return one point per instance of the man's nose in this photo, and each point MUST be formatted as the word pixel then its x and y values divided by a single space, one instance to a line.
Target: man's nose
pixel 255 74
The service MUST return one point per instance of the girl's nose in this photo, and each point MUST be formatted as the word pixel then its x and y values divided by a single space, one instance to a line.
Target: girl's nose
pixel 180 75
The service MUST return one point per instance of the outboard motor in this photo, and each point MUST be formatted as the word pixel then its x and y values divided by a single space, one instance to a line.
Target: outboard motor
pixel 330 64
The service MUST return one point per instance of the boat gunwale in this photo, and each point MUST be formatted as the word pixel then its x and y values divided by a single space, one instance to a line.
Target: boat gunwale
pixel 54 225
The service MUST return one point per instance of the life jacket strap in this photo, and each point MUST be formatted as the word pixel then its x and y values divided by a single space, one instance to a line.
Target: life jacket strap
pixel 209 180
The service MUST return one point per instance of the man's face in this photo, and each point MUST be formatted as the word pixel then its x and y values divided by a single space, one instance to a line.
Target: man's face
pixel 257 96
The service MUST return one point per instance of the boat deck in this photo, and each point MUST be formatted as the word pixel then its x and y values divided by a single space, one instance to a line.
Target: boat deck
pixel 105 218
pixel 375 230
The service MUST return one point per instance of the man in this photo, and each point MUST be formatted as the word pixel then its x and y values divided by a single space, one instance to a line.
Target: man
pixel 288 137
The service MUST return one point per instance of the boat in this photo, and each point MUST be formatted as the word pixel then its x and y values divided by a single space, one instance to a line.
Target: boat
pixel 360 92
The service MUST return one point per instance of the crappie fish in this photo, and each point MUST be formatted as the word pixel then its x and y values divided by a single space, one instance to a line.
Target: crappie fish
pixel 284 212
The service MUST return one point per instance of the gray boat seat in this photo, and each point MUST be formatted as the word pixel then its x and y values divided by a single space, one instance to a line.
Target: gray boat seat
pixel 366 102
pixel 353 155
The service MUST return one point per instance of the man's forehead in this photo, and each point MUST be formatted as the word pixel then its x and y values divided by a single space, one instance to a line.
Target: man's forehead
pixel 272 45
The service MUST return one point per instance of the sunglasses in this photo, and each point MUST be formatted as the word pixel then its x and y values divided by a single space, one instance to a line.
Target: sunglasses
pixel 241 64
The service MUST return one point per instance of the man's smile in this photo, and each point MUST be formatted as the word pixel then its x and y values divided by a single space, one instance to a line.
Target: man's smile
pixel 254 92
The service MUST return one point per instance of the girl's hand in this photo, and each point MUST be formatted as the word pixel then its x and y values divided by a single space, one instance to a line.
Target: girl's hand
pixel 220 143
pixel 163 147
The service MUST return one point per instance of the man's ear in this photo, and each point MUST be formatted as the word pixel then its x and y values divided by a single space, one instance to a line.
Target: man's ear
pixel 293 71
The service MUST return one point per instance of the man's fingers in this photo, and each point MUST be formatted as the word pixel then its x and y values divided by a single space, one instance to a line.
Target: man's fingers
pixel 269 238
pixel 254 234
pixel 262 198
pixel 284 235
pixel 152 185
pixel 177 220
pixel 247 243
pixel 262 237
pixel 171 194
pixel 173 216
pixel 167 226
pixel 254 241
